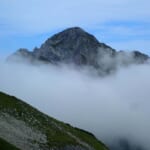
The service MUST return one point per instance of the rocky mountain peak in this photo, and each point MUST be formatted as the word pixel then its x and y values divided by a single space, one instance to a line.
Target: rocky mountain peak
pixel 71 45
pixel 73 34
pixel 23 51
pixel 73 38
pixel 76 46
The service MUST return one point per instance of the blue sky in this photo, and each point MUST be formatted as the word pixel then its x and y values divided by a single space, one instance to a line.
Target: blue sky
pixel 122 24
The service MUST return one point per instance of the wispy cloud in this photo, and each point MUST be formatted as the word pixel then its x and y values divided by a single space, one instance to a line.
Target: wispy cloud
pixel 43 16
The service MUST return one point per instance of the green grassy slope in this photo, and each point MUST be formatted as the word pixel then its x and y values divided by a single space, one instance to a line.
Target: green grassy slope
pixel 58 134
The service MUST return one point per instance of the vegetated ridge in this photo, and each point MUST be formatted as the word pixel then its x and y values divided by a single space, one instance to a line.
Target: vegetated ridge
pixel 24 127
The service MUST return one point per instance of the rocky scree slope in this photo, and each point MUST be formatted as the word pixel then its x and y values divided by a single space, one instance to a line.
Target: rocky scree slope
pixel 24 127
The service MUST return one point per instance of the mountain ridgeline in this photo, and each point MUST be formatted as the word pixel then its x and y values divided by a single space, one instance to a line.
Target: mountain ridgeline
pixel 76 46
pixel 23 127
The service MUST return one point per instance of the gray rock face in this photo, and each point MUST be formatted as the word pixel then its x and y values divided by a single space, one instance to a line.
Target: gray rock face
pixel 22 54
pixel 73 45
pixel 19 134
pixel 139 57
pixel 76 46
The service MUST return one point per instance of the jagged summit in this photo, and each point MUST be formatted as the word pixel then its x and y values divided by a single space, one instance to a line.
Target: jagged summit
pixel 71 45
pixel 72 30
pixel 74 34
pixel 76 46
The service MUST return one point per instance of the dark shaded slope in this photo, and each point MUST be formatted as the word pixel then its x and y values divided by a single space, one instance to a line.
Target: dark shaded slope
pixel 4 145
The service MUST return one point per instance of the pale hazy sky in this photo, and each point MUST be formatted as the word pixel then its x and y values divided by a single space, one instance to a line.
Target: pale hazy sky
pixel 122 24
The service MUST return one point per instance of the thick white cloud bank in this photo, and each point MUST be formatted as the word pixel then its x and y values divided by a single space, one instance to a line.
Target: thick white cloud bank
pixel 116 106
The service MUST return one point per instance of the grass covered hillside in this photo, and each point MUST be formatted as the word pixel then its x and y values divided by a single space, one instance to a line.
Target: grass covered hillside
pixel 24 127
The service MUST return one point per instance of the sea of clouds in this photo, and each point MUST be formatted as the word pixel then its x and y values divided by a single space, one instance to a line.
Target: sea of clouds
pixel 114 108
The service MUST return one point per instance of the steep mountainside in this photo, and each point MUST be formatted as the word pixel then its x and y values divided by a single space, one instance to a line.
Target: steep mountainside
pixel 24 127
pixel 72 45
pixel 76 46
